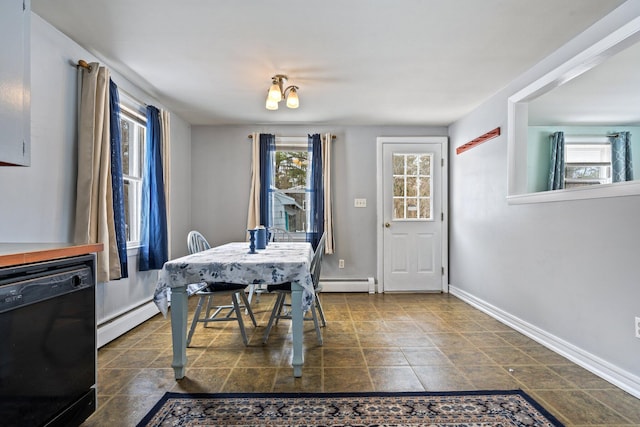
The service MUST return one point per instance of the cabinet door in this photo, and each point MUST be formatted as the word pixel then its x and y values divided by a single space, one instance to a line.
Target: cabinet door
pixel 15 83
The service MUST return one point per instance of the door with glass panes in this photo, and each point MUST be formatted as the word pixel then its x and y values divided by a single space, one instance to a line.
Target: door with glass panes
pixel 412 215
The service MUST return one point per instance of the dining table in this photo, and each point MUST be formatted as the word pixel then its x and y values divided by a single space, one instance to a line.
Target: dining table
pixel 235 262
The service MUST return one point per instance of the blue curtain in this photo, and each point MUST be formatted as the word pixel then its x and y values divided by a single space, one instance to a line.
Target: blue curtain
pixel 117 183
pixel 316 188
pixel 556 170
pixel 267 150
pixel 621 167
pixel 153 229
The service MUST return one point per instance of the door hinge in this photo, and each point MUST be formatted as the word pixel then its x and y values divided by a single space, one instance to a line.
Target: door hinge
pixel 442 270
pixel 441 216
pixel 24 5
pixel 441 162
pixel 24 148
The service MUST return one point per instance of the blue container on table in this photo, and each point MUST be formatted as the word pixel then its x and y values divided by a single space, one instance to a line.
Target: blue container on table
pixel 261 238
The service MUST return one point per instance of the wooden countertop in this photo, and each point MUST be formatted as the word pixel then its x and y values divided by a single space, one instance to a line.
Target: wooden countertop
pixel 26 253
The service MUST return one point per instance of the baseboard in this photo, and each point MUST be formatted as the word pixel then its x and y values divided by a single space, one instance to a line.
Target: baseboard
pixel 122 324
pixel 600 367
pixel 349 285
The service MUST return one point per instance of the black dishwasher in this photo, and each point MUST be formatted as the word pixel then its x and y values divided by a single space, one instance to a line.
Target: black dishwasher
pixel 48 343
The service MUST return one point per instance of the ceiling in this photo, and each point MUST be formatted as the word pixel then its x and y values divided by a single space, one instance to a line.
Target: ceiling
pixel 357 62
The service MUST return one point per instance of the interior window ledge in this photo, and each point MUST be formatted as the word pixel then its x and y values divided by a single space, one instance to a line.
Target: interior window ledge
pixel 619 189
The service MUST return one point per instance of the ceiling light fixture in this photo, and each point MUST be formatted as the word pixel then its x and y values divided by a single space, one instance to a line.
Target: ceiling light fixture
pixel 277 93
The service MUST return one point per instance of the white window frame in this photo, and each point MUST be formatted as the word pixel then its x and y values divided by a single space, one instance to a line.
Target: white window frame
pixel 289 144
pixel 134 112
pixel 578 143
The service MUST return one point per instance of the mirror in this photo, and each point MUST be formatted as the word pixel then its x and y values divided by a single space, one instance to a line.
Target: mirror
pixel 594 94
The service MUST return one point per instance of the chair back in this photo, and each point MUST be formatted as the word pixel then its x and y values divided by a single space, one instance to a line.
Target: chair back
pixel 280 235
pixel 316 262
pixel 196 242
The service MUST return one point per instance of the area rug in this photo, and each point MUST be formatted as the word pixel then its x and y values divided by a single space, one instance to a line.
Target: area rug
pixel 410 409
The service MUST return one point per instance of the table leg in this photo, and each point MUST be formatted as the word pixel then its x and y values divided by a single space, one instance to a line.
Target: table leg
pixel 297 327
pixel 179 330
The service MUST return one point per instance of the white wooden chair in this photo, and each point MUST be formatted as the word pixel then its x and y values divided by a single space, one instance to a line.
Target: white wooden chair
pixel 221 313
pixel 279 309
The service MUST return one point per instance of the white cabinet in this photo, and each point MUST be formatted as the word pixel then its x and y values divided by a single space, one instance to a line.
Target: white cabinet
pixel 15 99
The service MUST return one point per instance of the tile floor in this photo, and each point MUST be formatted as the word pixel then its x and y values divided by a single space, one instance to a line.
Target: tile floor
pixel 382 342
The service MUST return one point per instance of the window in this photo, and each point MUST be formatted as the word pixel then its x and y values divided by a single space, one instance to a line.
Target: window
pixel 412 186
pixel 290 195
pixel 587 164
pixel 133 130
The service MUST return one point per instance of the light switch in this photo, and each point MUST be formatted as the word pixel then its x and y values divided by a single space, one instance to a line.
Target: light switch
pixel 360 203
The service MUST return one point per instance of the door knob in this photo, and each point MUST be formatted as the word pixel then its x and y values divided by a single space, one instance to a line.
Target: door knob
pixel 387 225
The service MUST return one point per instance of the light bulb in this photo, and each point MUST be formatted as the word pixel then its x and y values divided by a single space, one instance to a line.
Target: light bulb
pixel 274 92
pixel 271 104
pixel 292 99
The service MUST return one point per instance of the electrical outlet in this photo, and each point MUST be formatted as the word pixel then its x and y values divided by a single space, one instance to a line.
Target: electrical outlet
pixel 341 263
pixel 637 327
pixel 360 203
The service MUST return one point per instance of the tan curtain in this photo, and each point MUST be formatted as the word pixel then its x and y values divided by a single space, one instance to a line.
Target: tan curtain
pixel 328 205
pixel 94 201
pixel 253 216
pixel 166 168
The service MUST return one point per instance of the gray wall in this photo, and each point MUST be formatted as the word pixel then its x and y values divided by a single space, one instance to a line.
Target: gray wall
pixel 221 161
pixel 38 202
pixel 568 269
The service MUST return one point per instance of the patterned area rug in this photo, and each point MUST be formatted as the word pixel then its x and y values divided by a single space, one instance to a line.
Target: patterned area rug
pixel 412 409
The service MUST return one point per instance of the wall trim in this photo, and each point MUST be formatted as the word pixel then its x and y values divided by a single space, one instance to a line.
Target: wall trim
pixel 122 324
pixel 600 367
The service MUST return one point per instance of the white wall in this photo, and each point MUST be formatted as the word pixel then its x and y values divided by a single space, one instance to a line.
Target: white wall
pixel 221 160
pixel 566 272
pixel 38 202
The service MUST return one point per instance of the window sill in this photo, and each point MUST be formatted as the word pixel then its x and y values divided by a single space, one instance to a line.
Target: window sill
pixel 133 249
pixel 619 189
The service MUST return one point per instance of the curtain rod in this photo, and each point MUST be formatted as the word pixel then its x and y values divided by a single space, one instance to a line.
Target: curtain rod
pixel 251 137
pixel 82 63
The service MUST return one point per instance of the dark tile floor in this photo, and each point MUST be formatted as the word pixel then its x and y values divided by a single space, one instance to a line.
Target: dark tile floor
pixel 381 342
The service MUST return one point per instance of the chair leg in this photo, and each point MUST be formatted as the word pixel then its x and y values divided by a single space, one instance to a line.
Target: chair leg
pixel 320 311
pixel 236 308
pixel 314 315
pixel 274 316
pixel 281 303
pixel 196 315
pixel 247 306
pixel 252 290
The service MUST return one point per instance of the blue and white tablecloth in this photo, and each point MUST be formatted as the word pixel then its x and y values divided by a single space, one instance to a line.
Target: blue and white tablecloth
pixel 280 262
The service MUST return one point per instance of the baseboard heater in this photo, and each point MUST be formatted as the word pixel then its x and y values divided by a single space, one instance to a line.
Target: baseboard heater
pixel 110 329
pixel 365 284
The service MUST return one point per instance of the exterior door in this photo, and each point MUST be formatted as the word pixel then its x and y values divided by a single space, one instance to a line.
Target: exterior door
pixel 412 216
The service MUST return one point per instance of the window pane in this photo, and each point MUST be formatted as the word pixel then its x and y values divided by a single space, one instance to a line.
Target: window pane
pixel 425 164
pixel 412 164
pixel 425 187
pixel 290 195
pixel 127 209
pixel 398 164
pixel 589 172
pixel 142 133
pixel 412 207
pixel 124 139
pixel 398 186
pixel 398 208
pixel 412 186
pixel 425 208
